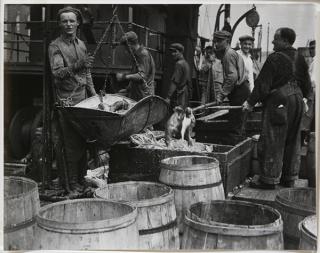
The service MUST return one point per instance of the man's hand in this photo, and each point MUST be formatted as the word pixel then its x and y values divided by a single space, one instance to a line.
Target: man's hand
pixel 167 100
pixel 120 77
pixel 85 62
pixel 306 107
pixel 247 107
pixel 219 98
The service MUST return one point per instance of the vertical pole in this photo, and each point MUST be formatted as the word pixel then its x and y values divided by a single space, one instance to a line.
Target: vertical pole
pixel 268 39
pixel 46 132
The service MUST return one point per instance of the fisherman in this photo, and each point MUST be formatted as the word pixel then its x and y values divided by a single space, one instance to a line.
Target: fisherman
pixel 246 45
pixel 70 65
pixel 235 86
pixel 141 78
pixel 280 86
pixel 195 74
pixel 211 74
pixel 178 94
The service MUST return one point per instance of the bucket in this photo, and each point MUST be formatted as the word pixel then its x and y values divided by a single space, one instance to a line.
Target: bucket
pixel 193 179
pixel 308 233
pixel 86 224
pixel 236 225
pixel 294 204
pixel 21 204
pixel 156 219
pixel 311 161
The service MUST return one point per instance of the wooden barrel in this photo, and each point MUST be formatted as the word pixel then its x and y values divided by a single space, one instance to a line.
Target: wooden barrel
pixel 308 233
pixel 87 224
pixel 311 161
pixel 21 204
pixel 230 224
pixel 156 219
pixel 294 204
pixel 193 179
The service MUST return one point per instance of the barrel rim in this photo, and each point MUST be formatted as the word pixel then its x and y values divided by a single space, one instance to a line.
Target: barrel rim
pixel 305 230
pixel 167 166
pixel 282 201
pixel 95 226
pixel 142 203
pixel 234 229
pixel 25 180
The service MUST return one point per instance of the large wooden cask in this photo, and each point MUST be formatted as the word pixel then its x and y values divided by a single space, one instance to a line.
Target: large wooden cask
pixel 21 205
pixel 294 204
pixel 156 219
pixel 193 179
pixel 308 233
pixel 229 224
pixel 87 224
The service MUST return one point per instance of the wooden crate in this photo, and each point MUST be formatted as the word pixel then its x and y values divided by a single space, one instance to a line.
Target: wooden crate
pixel 138 163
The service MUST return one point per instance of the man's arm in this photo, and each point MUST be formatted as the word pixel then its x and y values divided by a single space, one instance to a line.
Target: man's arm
pixel 57 65
pixel 262 85
pixel 230 73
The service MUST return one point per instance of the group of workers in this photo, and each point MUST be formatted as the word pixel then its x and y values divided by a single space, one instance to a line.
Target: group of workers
pixel 281 85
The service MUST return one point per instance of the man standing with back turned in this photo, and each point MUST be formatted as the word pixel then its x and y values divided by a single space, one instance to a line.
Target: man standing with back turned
pixel 280 86
pixel 70 65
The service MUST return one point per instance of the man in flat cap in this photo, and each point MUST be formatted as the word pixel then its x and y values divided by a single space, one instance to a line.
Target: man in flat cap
pixel 141 78
pixel 180 84
pixel 234 86
pixel 281 85
pixel 246 45
pixel 70 66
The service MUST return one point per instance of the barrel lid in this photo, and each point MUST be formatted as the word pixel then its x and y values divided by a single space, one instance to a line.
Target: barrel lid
pixel 309 225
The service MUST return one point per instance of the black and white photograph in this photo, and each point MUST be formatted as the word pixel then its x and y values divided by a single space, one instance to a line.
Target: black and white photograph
pixel 159 126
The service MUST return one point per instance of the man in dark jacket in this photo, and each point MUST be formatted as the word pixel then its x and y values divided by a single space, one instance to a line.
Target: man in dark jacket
pixel 72 83
pixel 235 84
pixel 280 86
pixel 178 94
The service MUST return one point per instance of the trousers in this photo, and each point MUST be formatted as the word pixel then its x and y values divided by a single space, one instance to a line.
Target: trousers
pixel 280 141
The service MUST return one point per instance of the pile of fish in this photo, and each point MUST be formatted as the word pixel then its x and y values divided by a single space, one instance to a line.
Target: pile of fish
pixel 156 140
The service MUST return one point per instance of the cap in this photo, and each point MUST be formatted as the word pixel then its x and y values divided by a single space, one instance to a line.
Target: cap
pixel 221 35
pixel 246 37
pixel 176 46
pixel 70 9
pixel 129 37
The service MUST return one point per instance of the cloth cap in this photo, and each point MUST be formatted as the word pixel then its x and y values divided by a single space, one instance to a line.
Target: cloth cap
pixel 222 35
pixel 129 37
pixel 246 37
pixel 70 9
pixel 176 46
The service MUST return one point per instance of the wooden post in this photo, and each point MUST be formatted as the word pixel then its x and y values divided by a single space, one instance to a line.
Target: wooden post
pixel 47 108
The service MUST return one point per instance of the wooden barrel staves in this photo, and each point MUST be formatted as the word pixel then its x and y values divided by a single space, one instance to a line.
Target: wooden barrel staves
pixel 236 225
pixel 156 219
pixel 294 204
pixel 308 233
pixel 87 224
pixel 193 179
pixel 21 204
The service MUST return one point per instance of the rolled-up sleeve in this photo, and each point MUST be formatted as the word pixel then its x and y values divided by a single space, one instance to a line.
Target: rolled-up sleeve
pixel 230 73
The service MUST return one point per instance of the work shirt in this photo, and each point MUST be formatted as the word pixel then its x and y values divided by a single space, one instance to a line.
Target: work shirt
pixel 68 82
pixel 146 67
pixel 233 70
pixel 277 71
pixel 181 75
pixel 248 63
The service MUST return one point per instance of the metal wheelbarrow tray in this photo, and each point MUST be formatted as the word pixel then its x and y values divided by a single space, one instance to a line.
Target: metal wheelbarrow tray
pixel 108 128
